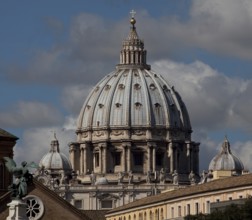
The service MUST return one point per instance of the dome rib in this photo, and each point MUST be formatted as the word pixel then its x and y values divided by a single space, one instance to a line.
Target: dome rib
pixel 146 97
pixel 164 103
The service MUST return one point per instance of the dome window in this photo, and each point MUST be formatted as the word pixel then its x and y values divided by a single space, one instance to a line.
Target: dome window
pixel 100 105
pixel 137 86
pixel 118 105
pixel 136 75
pixel 165 88
pixel 121 86
pixel 157 105
pixel 88 106
pixel 97 88
pixel 152 86
pixel 107 87
pixel 138 105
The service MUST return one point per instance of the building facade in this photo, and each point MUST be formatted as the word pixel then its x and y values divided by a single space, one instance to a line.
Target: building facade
pixel 191 200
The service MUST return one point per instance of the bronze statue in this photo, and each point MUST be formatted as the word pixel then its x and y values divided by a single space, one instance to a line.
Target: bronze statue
pixel 22 177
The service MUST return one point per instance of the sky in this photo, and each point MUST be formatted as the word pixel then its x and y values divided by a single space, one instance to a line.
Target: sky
pixel 53 52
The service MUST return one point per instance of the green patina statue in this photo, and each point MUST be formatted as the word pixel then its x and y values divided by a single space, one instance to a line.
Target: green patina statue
pixel 22 178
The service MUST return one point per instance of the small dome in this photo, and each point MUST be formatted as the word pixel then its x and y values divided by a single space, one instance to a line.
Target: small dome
pixel 101 181
pixel 54 160
pixel 225 160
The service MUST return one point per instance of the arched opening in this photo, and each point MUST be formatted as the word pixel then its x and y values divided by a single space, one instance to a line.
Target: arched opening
pixel 161 214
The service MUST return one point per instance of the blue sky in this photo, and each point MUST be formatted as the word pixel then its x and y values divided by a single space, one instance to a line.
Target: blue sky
pixel 53 52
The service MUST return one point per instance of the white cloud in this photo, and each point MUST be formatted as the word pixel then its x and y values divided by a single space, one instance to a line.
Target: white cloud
pixel 92 47
pixel 73 97
pixel 213 99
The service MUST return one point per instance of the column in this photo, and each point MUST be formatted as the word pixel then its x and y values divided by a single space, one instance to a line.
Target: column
pixel 154 158
pixel 72 155
pixel 81 160
pixel 104 158
pixel 85 159
pixel 100 159
pixel 175 157
pixel 128 158
pixel 171 157
pixel 124 159
pixel 189 156
pixel 149 158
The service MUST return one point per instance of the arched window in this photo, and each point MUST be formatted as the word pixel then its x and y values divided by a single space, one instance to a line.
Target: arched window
pixel 161 214
pixel 156 214
pixel 145 216
pixel 140 216
pixel 134 217
pixel 151 215
pixel 129 217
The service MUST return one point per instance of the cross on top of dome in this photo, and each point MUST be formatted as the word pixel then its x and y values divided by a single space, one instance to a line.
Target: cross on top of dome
pixel 133 54
pixel 133 20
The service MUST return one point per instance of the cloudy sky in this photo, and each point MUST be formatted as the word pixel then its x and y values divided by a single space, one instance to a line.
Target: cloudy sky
pixel 53 52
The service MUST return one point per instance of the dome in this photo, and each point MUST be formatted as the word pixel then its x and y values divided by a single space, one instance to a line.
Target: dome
pixel 133 96
pixel 225 160
pixel 54 160
pixel 133 121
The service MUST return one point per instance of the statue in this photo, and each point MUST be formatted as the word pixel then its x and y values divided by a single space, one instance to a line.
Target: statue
pixel 120 177
pixel 92 177
pixel 148 176
pixel 175 177
pixel 192 178
pixel 130 177
pixel 162 175
pixel 22 177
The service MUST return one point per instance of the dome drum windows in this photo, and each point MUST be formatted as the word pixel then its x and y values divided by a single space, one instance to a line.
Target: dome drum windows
pixel 117 158
pixel 138 158
pixel 96 159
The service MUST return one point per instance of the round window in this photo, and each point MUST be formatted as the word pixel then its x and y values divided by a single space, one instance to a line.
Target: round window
pixel 35 207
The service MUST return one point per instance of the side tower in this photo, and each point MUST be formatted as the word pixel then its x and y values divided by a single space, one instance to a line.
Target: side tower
pixel 134 122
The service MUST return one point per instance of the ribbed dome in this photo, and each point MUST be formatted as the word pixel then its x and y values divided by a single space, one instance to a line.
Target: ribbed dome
pixel 133 96
pixel 225 160
pixel 54 160
pixel 133 121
